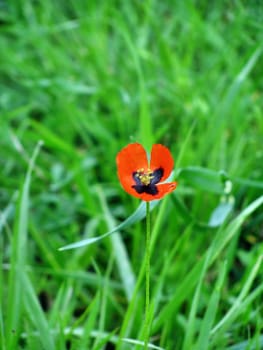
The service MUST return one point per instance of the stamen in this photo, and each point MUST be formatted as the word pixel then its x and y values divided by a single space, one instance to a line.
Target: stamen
pixel 145 176
pixel 146 180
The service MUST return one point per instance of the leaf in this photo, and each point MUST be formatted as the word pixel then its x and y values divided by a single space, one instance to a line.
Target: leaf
pixel 220 213
pixel 245 345
pixel 202 178
pixel 218 216
pixel 138 215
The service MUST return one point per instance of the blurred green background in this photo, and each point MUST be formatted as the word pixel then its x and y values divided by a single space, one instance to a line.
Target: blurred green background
pixel 87 78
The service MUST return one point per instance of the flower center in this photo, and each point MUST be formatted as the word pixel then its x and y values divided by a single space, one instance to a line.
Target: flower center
pixel 146 180
pixel 145 176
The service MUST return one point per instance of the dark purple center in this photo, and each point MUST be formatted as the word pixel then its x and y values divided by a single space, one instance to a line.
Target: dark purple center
pixel 150 188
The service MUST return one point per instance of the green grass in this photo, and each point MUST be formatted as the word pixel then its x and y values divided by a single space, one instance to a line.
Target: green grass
pixel 87 78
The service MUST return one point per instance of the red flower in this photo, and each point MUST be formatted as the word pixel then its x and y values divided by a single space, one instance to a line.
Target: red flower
pixel 141 179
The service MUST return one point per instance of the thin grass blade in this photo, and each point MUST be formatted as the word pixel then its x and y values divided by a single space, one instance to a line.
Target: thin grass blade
pixel 138 215
pixel 36 314
pixel 18 258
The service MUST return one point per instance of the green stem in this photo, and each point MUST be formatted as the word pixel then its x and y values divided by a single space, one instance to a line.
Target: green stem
pixel 147 278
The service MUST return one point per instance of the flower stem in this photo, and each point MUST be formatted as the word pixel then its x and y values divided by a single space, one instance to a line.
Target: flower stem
pixel 147 278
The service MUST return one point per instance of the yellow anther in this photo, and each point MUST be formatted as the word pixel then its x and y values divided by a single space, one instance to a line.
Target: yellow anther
pixel 145 176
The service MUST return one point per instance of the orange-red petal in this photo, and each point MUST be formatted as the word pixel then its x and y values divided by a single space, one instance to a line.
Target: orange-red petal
pixel 161 157
pixel 130 159
pixel 164 189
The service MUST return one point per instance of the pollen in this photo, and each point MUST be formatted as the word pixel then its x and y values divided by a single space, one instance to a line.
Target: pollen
pixel 145 176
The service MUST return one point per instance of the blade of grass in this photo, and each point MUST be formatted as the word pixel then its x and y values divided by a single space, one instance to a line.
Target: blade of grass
pixel 121 256
pixel 252 297
pixel 138 215
pixel 183 147
pixel 18 258
pixel 61 306
pixel 4 215
pixel 236 85
pixel 238 304
pixel 2 333
pixel 105 291
pixel 44 248
pixel 51 139
pixel 145 120
pixel 36 314
pixel 208 320
pixel 191 324
pixel 222 238
pixel 91 321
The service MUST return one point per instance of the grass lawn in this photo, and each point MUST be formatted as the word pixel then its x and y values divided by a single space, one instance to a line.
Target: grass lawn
pixel 80 80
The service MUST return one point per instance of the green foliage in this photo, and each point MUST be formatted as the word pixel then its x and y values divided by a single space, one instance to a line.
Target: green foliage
pixel 86 78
